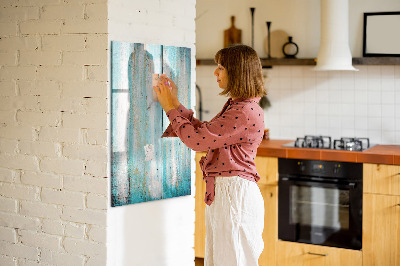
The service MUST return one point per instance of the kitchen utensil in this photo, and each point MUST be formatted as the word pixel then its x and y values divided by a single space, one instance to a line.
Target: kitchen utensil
pixel 232 35
pixel 252 9
pixel 269 38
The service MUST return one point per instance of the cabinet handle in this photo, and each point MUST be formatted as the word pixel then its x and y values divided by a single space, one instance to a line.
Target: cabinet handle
pixel 318 254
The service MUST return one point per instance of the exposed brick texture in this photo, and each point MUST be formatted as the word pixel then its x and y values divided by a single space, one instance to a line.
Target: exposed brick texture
pixel 54 121
pixel 53 55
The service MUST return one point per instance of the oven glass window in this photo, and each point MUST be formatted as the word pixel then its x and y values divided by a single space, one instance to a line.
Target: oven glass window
pixel 318 207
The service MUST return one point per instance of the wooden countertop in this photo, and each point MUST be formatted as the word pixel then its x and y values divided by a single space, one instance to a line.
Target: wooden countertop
pixel 379 154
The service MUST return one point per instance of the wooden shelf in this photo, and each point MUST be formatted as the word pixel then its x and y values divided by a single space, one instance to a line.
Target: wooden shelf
pixel 268 63
pixel 288 62
pixel 312 61
pixel 376 61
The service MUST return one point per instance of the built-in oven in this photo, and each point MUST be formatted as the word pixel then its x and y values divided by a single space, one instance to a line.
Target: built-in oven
pixel 320 202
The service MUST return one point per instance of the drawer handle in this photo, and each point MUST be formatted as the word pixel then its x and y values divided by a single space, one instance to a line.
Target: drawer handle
pixel 318 254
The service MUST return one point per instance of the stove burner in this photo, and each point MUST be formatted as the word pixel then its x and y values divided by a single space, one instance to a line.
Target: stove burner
pixel 351 144
pixel 308 141
pixel 324 142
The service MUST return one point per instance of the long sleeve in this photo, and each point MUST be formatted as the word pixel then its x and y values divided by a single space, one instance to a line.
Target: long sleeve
pixel 231 138
pixel 186 113
pixel 222 131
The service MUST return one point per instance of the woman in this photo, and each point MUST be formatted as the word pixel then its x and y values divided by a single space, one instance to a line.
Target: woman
pixel 235 207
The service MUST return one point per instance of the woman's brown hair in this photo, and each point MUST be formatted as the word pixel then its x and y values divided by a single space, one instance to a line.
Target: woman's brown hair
pixel 245 78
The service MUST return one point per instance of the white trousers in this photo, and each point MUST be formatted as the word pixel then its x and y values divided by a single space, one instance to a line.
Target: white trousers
pixel 234 223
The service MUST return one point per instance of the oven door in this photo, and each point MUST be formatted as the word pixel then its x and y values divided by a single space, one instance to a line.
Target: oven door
pixel 321 212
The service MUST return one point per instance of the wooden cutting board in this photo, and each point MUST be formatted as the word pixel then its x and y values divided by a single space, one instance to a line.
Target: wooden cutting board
pixel 232 35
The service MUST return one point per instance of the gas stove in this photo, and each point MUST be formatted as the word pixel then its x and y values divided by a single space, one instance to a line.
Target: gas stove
pixel 325 142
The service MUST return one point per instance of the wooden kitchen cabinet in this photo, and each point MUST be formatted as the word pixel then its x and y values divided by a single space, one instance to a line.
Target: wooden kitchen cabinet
pixel 298 254
pixel 381 230
pixel 200 207
pixel 270 233
pixel 381 179
pixel 267 168
pixel 381 215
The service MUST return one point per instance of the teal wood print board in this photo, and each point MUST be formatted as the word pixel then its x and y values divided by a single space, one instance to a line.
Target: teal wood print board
pixel 144 166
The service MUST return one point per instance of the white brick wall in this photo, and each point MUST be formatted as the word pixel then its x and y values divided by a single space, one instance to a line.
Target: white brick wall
pixel 75 230
pixel 53 131
pixel 61 258
pixel 8 234
pixel 53 120
pixel 53 227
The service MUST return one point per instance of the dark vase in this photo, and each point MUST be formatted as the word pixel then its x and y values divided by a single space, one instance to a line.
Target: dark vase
pixel 290 49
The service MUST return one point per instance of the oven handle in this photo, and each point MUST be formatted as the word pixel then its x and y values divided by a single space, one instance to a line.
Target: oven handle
pixel 297 181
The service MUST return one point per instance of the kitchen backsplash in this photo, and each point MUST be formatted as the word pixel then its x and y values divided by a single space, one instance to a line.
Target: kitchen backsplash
pixel 337 104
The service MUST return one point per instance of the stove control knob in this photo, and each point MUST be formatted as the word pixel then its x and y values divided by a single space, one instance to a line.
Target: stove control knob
pixel 302 167
pixel 336 169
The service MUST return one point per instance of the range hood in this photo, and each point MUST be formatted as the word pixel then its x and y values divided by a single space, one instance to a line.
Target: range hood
pixel 334 51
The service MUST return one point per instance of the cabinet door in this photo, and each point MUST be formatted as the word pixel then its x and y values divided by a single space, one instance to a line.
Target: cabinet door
pixel 267 168
pixel 381 230
pixel 270 233
pixel 200 207
pixel 381 179
pixel 297 254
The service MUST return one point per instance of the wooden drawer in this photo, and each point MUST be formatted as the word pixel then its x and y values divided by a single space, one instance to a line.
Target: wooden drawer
pixel 381 179
pixel 297 254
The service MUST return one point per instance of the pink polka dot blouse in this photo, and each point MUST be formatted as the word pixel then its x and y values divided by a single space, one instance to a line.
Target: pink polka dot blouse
pixel 231 139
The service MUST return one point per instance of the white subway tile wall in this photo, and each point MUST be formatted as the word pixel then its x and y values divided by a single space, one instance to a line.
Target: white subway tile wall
pixel 338 104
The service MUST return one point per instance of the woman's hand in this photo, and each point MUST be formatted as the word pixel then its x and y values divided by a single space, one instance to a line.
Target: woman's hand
pixel 174 89
pixel 164 94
